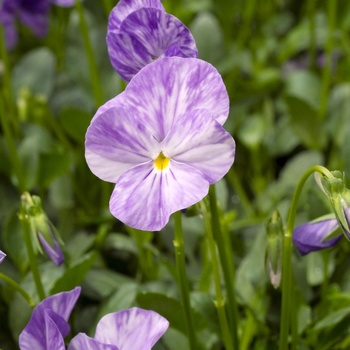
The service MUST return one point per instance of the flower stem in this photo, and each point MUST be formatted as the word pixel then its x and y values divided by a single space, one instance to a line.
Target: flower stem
pixel 183 280
pixel 94 76
pixel 18 288
pixel 287 256
pixel 219 302
pixel 226 257
pixel 33 262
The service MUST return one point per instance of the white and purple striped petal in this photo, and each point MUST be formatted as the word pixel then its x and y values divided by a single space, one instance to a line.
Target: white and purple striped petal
pixel 199 140
pixel 116 141
pixel 312 236
pixel 135 329
pixel 2 256
pixel 48 325
pixel 145 197
pixel 125 7
pixel 83 342
pixel 173 86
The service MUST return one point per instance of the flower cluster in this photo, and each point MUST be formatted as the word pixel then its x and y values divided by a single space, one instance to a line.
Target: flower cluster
pixel 140 31
pixel 134 328
pixel 31 13
pixel 161 141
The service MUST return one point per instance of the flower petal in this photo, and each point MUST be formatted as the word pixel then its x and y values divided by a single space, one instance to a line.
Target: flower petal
pixel 117 141
pixel 2 256
pixel 63 3
pixel 82 342
pixel 164 91
pixel 61 304
pixel 200 141
pixel 310 237
pixel 54 253
pixel 54 339
pixel 134 328
pixel 125 7
pixel 144 197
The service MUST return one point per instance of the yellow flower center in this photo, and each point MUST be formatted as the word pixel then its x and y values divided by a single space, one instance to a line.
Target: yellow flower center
pixel 161 162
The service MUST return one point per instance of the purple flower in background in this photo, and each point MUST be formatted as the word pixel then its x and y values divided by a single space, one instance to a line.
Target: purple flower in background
pixel 31 13
pixel 312 236
pixel 140 31
pixel 2 256
pixel 53 252
pixel 161 141
pixel 48 325
pixel 135 329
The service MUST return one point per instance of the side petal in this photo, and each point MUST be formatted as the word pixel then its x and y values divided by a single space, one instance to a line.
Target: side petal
pixel 164 91
pixel 125 7
pixel 134 328
pixel 144 197
pixel 200 141
pixel 2 256
pixel 310 237
pixel 82 342
pixel 117 141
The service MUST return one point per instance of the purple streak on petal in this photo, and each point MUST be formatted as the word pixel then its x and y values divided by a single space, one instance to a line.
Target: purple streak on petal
pixel 200 141
pixel 63 3
pixel 157 31
pixel 83 342
pixel 174 50
pixel 56 308
pixel 135 329
pixel 310 237
pixel 116 140
pixel 125 7
pixel 164 91
pixel 54 253
pixel 2 256
pixel 144 197
pixel 127 54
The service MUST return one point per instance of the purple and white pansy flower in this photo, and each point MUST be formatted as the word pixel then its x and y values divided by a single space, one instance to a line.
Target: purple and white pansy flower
pixel 133 328
pixel 161 141
pixel 140 31
pixel 2 256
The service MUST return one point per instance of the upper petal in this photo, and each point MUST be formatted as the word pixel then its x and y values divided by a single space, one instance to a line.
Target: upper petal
pixel 33 336
pixel 164 91
pixel 135 329
pixel 145 197
pixel 200 141
pixel 312 236
pixel 117 141
pixel 125 7
pixel 82 342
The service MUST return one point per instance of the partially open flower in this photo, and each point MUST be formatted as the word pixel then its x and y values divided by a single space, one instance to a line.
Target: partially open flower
pixel 48 325
pixel 140 31
pixel 135 329
pixel 312 236
pixel 2 256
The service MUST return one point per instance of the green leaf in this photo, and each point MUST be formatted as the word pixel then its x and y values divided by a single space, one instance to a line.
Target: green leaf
pixel 332 319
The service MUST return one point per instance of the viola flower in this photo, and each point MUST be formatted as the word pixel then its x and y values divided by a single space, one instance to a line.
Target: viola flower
pixel 2 256
pixel 312 236
pixel 140 31
pixel 134 328
pixel 161 141
pixel 31 13
pixel 48 325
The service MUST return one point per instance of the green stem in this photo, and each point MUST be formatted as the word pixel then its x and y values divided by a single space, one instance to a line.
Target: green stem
pixel 287 256
pixel 33 262
pixel 327 71
pixel 219 302
pixel 94 76
pixel 312 30
pixel 18 288
pixel 226 257
pixel 183 280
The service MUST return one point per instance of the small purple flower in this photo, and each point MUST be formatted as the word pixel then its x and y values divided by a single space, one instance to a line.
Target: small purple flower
pixel 312 236
pixel 140 31
pixel 2 256
pixel 134 328
pixel 48 325
pixel 31 13
pixel 161 141
pixel 54 253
